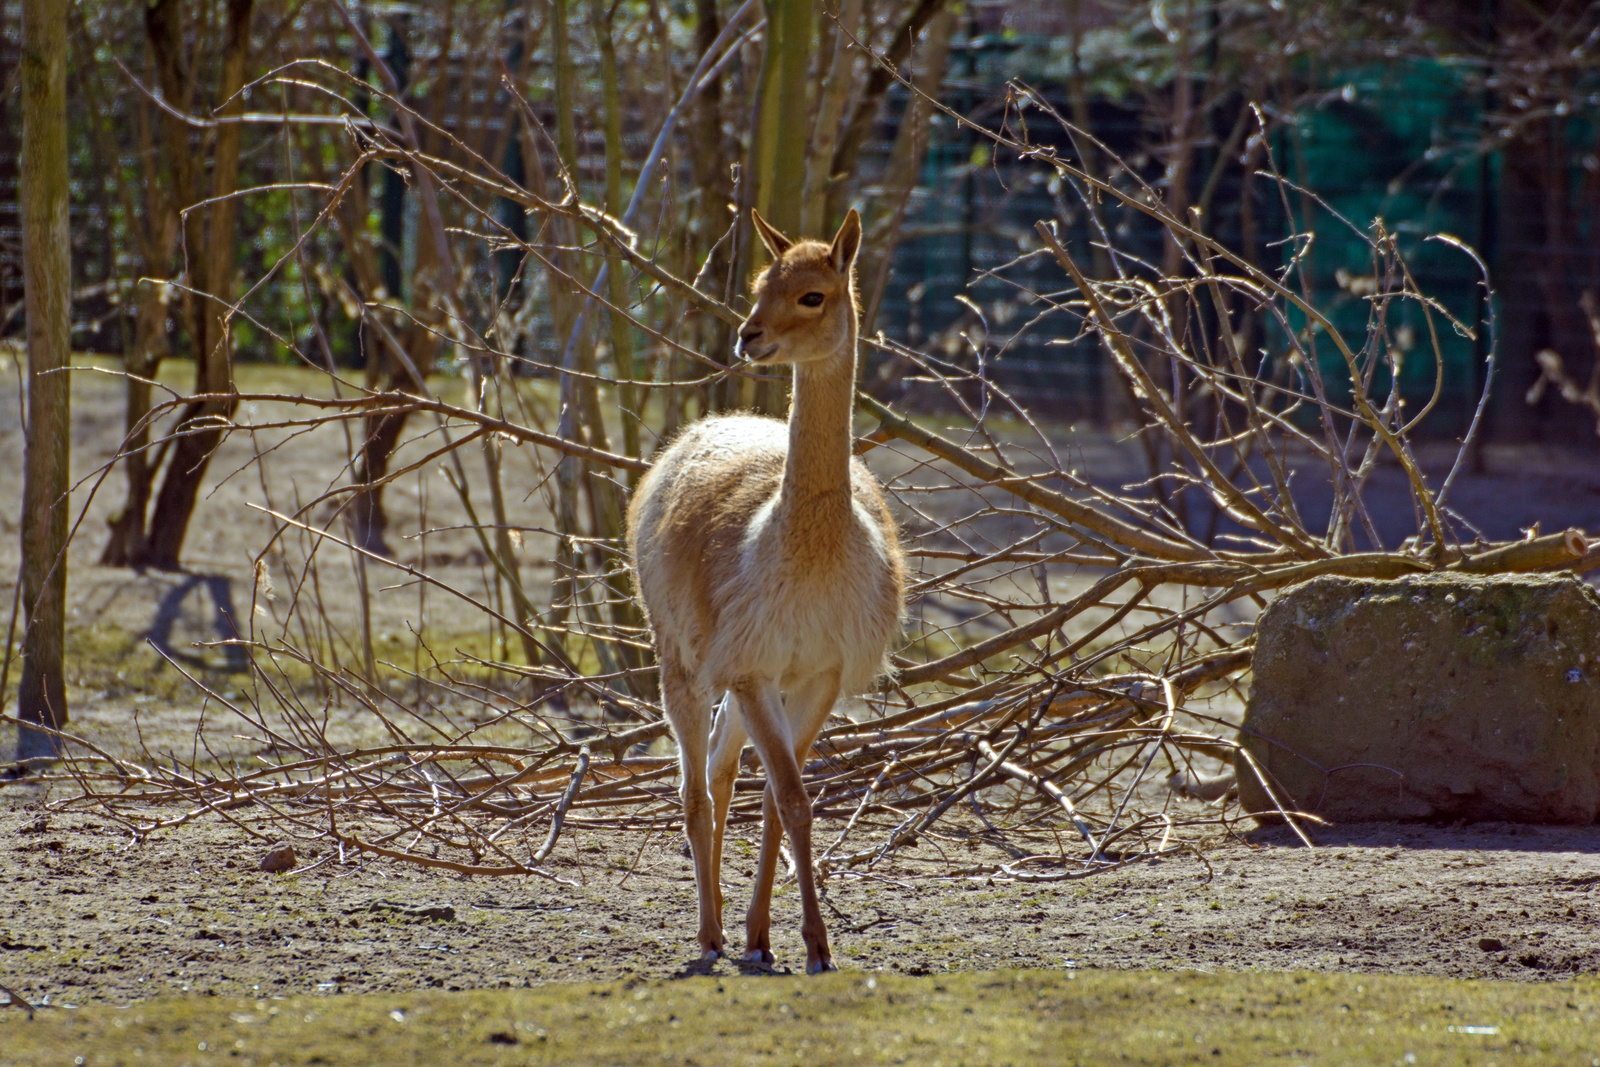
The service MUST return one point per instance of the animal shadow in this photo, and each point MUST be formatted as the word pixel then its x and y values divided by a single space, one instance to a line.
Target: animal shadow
pixel 170 612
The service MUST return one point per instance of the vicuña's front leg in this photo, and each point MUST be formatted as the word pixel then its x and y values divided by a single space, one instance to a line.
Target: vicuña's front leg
pixel 806 710
pixel 769 729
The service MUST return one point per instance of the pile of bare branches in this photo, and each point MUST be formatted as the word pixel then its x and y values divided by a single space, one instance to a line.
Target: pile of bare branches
pixel 1069 642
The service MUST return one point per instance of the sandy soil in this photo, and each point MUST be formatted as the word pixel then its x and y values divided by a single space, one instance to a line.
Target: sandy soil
pixel 85 915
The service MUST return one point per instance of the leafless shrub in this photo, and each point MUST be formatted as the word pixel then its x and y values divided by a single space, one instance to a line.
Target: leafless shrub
pixel 1065 636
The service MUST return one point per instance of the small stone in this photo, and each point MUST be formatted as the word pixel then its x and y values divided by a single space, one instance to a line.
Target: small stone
pixel 279 860
pixel 1491 944
pixel 502 1037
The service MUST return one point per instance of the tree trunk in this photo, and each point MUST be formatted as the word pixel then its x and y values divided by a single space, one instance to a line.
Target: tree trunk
pixel 1180 166
pixel 778 149
pixel 836 91
pixel 564 582
pixel 905 163
pixel 869 103
pixel 152 221
pixel 785 109
pixel 392 199
pixel 713 181
pixel 383 278
pixel 191 452
pixel 370 522
pixel 394 348
pixel 628 394
pixel 47 281
pixel 581 416
pixel 127 542
pixel 624 610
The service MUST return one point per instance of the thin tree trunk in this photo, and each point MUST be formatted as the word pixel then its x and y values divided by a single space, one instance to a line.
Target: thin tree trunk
pixel 381 433
pixel 870 102
pixel 1180 164
pixel 624 611
pixel 47 280
pixel 392 194
pixel 581 415
pixel 836 89
pixel 526 614
pixel 369 266
pixel 905 161
pixel 628 394
pixel 128 540
pixel 191 452
pixel 128 544
pixel 792 110
pixel 580 402
pixel 509 266
pixel 152 221
pixel 564 583
pixel 416 337
pixel 778 149
pixel 714 188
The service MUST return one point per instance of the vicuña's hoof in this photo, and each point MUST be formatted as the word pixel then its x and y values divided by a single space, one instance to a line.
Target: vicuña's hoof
pixel 759 955
pixel 820 967
pixel 710 955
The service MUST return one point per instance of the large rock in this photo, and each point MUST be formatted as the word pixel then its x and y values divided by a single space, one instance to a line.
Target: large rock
pixel 1430 697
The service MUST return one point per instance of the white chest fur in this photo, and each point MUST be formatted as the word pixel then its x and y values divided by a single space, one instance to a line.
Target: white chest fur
pixel 790 611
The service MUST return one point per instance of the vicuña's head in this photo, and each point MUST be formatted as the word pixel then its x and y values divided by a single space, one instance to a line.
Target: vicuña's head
pixel 806 300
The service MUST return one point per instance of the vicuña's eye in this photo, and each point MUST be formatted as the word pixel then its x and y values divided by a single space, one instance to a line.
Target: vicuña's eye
pixel 812 300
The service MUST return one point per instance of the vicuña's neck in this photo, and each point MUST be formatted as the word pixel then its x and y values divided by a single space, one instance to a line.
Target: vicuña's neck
pixel 819 428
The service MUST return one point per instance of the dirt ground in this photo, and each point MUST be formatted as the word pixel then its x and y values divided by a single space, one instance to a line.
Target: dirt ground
pixel 87 916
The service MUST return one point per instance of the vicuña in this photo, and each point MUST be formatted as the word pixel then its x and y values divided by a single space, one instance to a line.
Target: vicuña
pixel 770 569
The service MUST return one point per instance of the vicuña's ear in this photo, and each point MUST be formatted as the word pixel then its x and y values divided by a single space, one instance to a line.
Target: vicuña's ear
pixel 776 242
pixel 846 243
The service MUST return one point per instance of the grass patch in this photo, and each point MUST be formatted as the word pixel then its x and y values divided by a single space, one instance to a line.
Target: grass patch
pixel 968 1018
pixel 113 661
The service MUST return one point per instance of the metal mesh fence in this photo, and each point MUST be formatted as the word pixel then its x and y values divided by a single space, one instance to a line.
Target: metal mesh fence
pixel 1393 141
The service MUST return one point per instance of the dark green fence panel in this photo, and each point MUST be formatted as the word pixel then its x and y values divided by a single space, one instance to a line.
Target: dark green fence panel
pixel 1392 141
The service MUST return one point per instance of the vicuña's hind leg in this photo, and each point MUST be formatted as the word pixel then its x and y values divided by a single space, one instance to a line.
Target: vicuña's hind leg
pixel 790 726
pixel 689 710
pixel 727 742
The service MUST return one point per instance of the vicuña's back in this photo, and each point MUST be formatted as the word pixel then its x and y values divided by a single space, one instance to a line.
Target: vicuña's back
pixel 769 567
